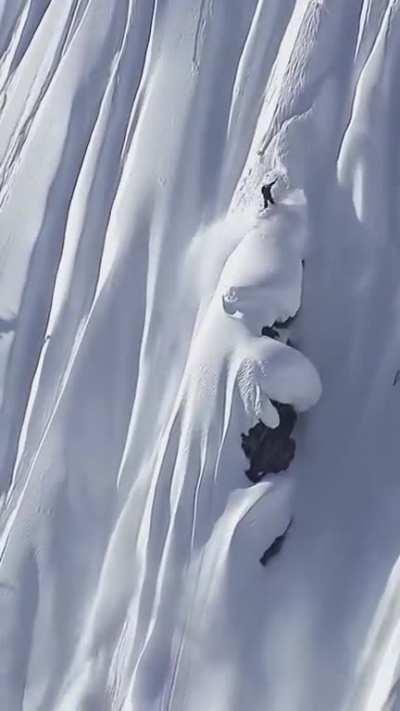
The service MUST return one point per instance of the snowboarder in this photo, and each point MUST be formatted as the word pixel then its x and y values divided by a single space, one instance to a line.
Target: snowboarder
pixel 267 195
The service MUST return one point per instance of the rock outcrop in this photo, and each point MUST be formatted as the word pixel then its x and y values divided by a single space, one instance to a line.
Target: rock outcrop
pixel 270 450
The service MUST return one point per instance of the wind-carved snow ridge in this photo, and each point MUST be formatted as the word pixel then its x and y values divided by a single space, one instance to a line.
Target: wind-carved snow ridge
pixel 377 679
pixel 136 273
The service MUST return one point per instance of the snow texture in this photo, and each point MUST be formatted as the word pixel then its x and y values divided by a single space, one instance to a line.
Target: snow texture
pixel 137 269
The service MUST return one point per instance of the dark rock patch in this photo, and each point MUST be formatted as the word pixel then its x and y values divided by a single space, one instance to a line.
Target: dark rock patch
pixel 270 332
pixel 268 450
pixel 275 546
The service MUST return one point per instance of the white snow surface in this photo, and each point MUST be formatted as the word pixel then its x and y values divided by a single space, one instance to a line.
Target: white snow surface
pixel 136 272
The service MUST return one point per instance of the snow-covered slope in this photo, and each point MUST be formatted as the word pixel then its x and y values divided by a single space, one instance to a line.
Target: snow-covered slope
pixel 136 274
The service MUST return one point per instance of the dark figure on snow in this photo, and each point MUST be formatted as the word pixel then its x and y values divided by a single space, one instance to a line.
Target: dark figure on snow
pixel 267 195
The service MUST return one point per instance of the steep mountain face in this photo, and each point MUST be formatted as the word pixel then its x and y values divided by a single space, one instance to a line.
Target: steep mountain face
pixel 138 270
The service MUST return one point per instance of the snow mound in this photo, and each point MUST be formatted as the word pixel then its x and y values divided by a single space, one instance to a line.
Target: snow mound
pixel 266 270
pixel 137 271
pixel 262 279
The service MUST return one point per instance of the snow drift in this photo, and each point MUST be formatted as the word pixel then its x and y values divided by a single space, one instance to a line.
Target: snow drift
pixel 136 275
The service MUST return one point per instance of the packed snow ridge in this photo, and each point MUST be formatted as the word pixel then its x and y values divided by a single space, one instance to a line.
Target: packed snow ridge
pixel 137 272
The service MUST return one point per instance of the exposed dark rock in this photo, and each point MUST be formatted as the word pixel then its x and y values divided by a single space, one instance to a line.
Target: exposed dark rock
pixel 270 450
pixel 284 324
pixel 287 418
pixel 270 332
pixel 275 546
